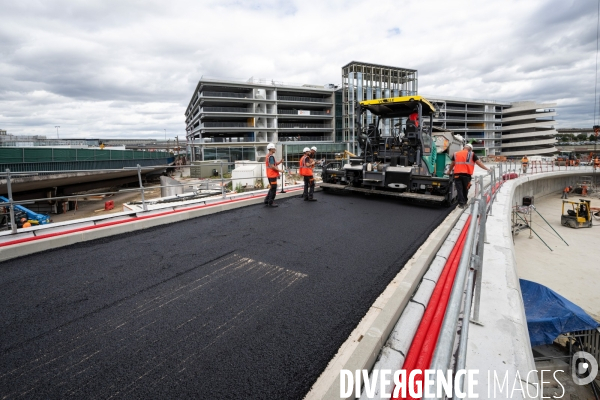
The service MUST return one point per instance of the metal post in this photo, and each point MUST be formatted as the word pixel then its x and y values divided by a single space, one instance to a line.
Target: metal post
pixel 144 206
pixel 282 179
pixel 222 182
pixel 13 223
pixel 464 335
pixel 479 263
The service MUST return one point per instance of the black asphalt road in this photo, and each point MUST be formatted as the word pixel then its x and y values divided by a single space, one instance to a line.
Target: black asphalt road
pixel 245 304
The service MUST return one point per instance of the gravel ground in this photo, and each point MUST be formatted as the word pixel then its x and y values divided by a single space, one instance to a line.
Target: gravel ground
pixel 250 303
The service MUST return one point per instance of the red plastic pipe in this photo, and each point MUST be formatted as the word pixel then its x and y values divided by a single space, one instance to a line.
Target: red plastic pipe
pixel 423 345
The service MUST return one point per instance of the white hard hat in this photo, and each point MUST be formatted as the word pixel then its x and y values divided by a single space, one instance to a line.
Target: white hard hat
pixel 270 146
pixel 306 149
pixel 469 145
pixel 314 148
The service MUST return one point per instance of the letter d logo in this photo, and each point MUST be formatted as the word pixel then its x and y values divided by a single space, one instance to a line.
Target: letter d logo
pixel 584 368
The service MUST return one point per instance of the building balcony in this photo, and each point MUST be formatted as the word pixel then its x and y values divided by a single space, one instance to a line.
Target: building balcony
pixel 304 99
pixel 235 95
pixel 302 138
pixel 235 125
pixel 546 125
pixel 304 113
pixel 508 136
pixel 531 116
pixel 550 141
pixel 529 151
pixel 299 125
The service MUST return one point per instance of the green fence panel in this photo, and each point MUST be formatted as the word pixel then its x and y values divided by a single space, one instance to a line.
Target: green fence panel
pixel 85 155
pixel 37 155
pixel 8 155
pixel 64 154
pixel 101 155
pixel 117 154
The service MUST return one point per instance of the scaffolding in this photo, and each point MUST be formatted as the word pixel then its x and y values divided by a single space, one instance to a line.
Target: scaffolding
pixel 366 81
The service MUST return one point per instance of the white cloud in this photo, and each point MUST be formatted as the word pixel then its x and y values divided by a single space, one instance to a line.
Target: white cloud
pixel 128 68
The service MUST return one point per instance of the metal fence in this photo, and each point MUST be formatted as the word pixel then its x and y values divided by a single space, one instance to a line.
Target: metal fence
pixel 288 169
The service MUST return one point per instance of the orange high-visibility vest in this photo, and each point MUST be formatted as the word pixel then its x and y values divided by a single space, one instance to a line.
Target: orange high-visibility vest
pixel 463 162
pixel 304 170
pixel 270 172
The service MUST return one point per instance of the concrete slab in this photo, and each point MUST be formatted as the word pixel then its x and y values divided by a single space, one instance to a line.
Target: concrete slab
pixel 570 270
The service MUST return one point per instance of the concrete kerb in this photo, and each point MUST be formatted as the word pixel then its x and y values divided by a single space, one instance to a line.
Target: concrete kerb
pixel 43 244
pixel 362 348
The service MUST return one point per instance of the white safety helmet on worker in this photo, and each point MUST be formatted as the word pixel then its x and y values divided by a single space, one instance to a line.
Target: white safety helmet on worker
pixel 270 146
pixel 305 150
pixel 469 145
pixel 314 148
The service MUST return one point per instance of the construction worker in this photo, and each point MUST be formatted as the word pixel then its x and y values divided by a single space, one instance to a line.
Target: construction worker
pixel 306 170
pixel 272 175
pixel 524 163
pixel 463 165
pixel 566 191
pixel 596 162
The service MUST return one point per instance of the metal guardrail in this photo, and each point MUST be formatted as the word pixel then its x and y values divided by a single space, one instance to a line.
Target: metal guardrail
pixel 302 125
pixel 295 112
pixel 469 273
pixel 227 94
pixel 298 98
pixel 288 168
pixel 226 109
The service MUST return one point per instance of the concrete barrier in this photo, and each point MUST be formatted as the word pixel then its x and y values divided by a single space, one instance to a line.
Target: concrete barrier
pixel 500 346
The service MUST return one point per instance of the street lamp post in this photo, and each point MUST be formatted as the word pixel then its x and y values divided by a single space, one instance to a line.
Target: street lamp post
pixel 57 132
pixel 596 131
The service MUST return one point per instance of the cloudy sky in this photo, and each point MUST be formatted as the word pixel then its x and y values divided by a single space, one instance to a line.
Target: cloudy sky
pixel 122 68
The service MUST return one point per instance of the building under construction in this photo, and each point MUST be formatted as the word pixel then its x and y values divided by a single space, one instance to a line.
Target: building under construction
pixel 366 81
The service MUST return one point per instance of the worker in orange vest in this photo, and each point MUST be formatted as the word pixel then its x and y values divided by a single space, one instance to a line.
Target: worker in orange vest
pixel 272 174
pixel 306 170
pixel 524 164
pixel 596 162
pixel 463 165
pixel 566 191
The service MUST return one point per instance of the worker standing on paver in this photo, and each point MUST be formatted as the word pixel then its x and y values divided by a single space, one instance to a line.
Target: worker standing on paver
pixel 463 165
pixel 306 170
pixel 524 164
pixel 272 175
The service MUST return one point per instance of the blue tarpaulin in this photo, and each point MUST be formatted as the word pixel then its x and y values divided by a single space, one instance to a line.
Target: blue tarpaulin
pixel 549 314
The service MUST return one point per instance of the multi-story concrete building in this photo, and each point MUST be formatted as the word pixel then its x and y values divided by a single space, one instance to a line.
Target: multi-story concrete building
pixel 478 121
pixel 528 129
pixel 497 128
pixel 229 120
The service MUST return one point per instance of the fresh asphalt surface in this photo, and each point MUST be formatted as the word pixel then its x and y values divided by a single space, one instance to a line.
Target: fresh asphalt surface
pixel 249 303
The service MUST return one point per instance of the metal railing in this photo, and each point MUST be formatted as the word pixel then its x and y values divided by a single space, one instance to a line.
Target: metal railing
pixel 227 94
pixel 295 112
pixel 227 109
pixel 301 138
pixel 298 98
pixel 303 125
pixel 469 273
pixel 289 169
pixel 227 125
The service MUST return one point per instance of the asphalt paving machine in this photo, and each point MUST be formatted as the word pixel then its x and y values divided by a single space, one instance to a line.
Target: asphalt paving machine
pixel 404 162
